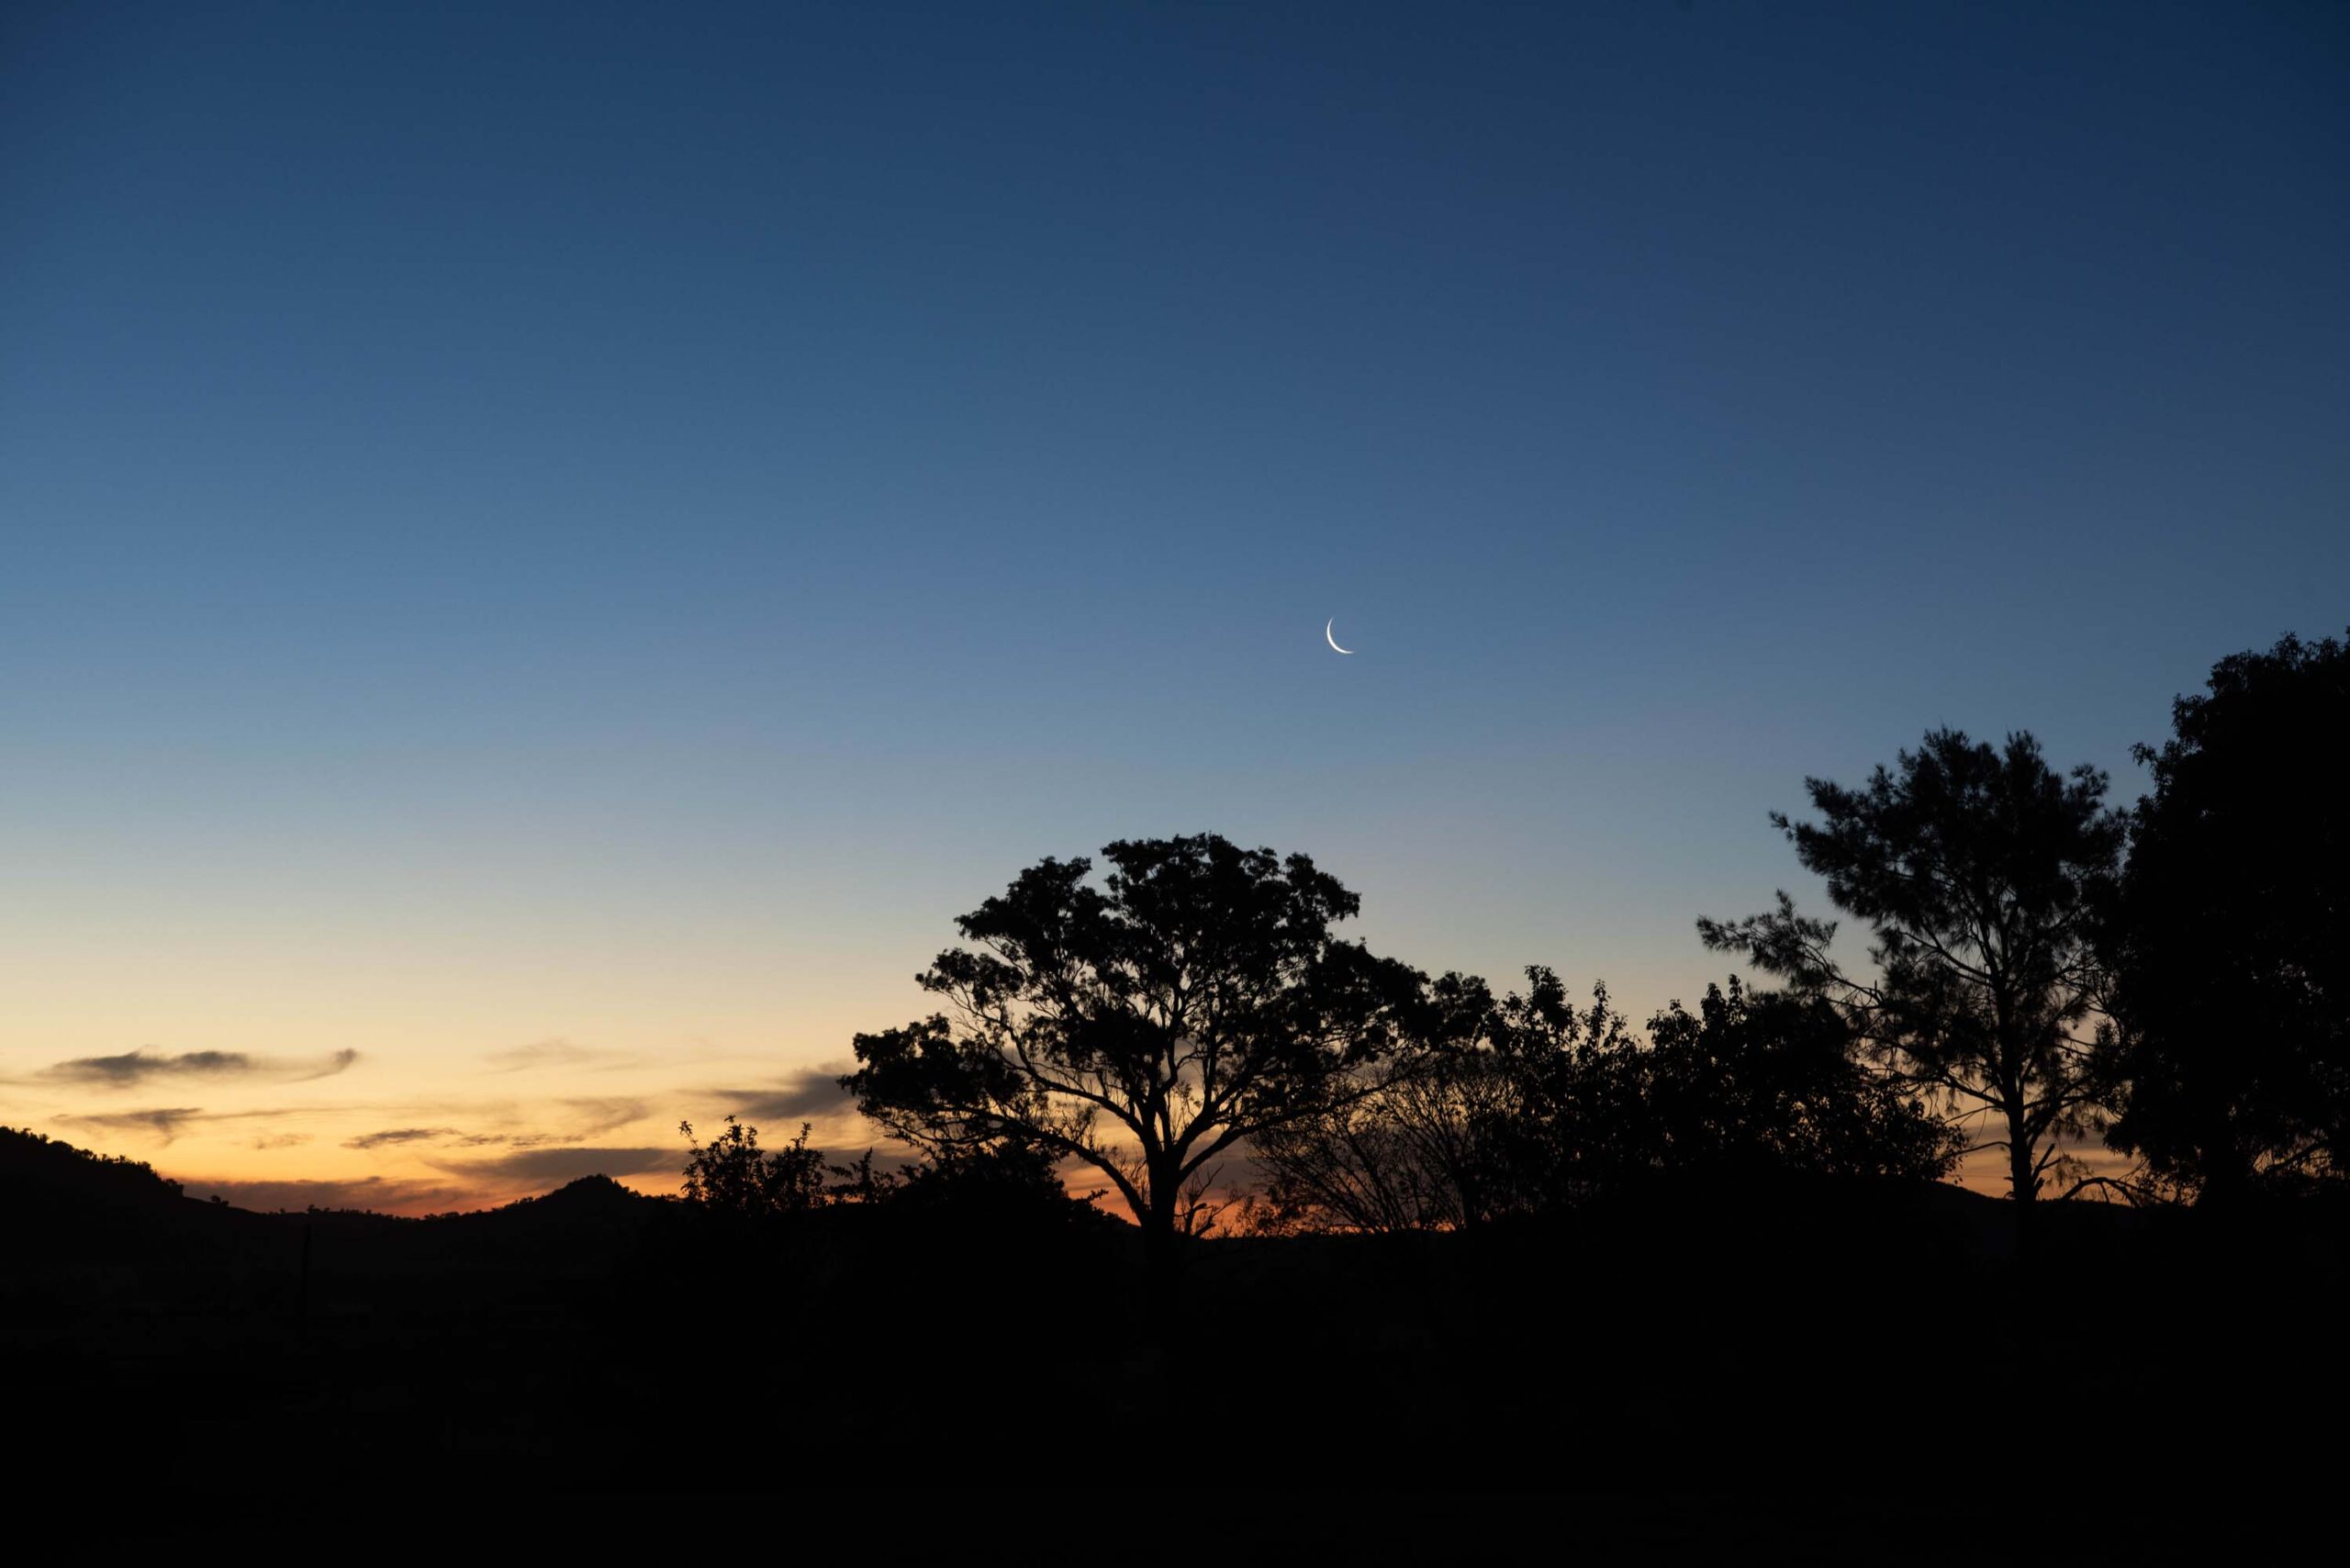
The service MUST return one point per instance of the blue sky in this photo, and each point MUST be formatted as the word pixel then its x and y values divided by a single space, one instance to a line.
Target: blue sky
pixel 616 524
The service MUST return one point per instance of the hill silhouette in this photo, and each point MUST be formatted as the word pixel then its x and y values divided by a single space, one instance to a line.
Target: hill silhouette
pixel 61 1205
pixel 34 1167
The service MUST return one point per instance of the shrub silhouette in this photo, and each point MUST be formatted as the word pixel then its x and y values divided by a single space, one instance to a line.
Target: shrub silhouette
pixel 732 1175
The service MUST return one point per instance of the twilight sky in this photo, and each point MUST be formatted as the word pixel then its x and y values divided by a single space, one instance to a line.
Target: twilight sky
pixel 554 547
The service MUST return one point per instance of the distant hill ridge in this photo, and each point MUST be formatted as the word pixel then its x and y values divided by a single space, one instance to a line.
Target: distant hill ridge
pixel 38 1171
pixel 27 1158
pixel 589 1194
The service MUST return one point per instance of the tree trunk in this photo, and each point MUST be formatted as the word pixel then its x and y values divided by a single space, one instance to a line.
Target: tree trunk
pixel 2023 1188
pixel 1161 1243
pixel 2023 1185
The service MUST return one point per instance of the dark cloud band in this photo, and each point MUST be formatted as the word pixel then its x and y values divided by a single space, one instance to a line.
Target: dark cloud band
pixel 815 1091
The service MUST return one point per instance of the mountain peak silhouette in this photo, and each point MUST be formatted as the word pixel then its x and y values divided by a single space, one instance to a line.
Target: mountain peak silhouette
pixel 592 1195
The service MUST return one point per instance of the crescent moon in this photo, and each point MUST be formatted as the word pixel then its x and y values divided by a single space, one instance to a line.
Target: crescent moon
pixel 1329 636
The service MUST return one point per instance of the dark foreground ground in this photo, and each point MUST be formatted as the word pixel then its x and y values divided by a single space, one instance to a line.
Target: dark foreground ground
pixel 1835 1366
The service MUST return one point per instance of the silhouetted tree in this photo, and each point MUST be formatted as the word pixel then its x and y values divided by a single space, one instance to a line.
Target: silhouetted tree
pixel 1144 1027
pixel 1973 866
pixel 863 1182
pixel 2228 932
pixel 730 1174
pixel 1571 1133
pixel 1007 1180
pixel 1754 1083
pixel 1541 1105
pixel 1411 1151
pixel 1010 1182
pixel 1489 1113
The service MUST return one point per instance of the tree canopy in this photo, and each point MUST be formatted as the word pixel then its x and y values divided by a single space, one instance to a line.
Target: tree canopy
pixel 732 1175
pixel 1541 1105
pixel 2228 932
pixel 1143 1025
pixel 1973 866
pixel 1753 1082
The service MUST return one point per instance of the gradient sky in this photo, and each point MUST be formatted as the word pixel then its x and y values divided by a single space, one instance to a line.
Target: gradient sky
pixel 556 546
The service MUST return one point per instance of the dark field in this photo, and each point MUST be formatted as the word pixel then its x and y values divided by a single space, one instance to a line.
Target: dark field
pixel 1820 1363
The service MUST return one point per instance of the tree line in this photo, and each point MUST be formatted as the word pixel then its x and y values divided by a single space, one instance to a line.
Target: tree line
pixel 2041 970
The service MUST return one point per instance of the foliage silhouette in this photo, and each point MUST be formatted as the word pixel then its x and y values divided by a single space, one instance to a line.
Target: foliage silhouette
pixel 1754 1084
pixel 732 1175
pixel 1009 1181
pixel 2227 933
pixel 1563 1134
pixel 1004 1183
pixel 1143 1028
pixel 1973 866
pixel 1413 1148
pixel 1538 1107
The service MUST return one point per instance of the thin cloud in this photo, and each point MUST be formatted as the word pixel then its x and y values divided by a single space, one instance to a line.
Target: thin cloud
pixel 813 1093
pixel 136 1067
pixel 326 1067
pixel 133 1068
pixel 587 1118
pixel 551 1053
pixel 553 1166
pixel 372 1192
pixel 599 1115
pixel 395 1135
pixel 281 1140
pixel 168 1122
pixel 165 1122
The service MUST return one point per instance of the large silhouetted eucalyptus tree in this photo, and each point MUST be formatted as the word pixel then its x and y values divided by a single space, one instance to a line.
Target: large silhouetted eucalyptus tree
pixel 1973 866
pixel 1143 1025
pixel 2229 933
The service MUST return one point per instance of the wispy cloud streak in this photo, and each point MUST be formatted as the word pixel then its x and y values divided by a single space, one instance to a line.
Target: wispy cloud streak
pixel 131 1068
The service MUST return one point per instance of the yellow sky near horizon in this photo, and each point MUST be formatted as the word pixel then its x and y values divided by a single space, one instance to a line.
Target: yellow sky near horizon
pixel 343 1082
pixel 425 1129
pixel 455 1130
pixel 494 1045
